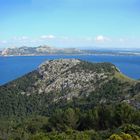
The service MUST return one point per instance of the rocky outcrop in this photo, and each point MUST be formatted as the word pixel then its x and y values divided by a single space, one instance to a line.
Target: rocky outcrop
pixel 70 77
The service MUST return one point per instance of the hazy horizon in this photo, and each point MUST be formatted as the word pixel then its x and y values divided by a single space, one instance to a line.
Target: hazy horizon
pixel 79 47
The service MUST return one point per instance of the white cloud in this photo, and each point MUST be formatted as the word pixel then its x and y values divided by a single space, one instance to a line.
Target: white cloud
pixel 47 37
pixel 102 38
pixel 24 38
pixel 66 41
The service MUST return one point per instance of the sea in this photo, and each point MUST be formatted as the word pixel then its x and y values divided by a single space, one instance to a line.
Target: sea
pixel 13 67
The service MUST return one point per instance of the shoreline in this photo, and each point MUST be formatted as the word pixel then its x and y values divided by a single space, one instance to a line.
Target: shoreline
pixel 104 54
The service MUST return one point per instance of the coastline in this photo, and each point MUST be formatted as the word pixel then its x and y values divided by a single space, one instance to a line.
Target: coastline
pixel 95 54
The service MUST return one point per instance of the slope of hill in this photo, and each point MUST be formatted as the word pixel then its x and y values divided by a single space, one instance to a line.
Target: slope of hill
pixel 71 95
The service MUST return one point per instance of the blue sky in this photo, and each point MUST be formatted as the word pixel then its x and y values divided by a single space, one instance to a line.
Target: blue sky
pixel 70 23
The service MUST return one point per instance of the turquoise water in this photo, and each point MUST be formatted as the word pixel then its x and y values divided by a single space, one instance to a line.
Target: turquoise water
pixel 14 67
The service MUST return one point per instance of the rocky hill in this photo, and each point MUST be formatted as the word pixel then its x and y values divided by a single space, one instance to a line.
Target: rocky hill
pixel 66 79
pixel 71 76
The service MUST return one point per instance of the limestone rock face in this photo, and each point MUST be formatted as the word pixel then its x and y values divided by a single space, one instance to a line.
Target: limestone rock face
pixel 52 69
pixel 69 77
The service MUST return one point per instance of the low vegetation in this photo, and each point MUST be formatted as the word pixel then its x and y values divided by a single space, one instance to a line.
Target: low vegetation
pixel 109 112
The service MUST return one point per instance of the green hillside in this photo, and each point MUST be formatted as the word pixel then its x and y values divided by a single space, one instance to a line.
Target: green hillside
pixel 70 99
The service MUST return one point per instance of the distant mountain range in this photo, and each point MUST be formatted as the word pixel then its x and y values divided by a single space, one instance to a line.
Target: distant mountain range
pixel 48 50
pixel 41 50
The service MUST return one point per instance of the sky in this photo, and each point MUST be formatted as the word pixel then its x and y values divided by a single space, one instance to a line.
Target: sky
pixel 70 23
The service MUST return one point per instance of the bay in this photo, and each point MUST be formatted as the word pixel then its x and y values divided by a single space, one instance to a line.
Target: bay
pixel 16 66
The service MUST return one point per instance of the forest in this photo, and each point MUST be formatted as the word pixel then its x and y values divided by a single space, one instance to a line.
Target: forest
pixel 111 112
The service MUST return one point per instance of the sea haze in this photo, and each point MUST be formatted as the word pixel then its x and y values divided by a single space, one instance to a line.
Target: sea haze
pixel 14 67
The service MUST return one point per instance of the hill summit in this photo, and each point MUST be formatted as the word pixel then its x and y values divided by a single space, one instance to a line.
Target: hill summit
pixel 69 76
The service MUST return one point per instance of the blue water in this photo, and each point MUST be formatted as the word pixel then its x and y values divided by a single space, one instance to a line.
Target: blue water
pixel 14 67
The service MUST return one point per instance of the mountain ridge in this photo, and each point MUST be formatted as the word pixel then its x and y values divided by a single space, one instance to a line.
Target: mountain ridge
pixel 40 50
pixel 43 50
